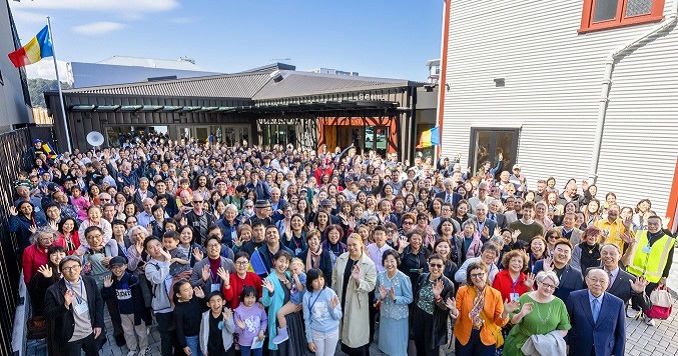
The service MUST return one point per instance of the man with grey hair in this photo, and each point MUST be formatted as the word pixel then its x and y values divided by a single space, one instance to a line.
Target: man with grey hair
pixel 484 226
pixel 482 197
pixel 143 192
pixel 145 217
pixel 495 214
pixel 449 195
pixel 126 176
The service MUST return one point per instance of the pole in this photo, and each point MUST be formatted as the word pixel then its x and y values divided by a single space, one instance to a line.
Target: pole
pixel 61 95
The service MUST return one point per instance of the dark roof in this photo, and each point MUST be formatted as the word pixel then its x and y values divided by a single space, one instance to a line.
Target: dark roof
pixel 296 84
pixel 243 85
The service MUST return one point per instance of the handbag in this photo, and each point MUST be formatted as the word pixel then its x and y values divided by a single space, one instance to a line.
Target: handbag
pixel 662 303
pixel 36 327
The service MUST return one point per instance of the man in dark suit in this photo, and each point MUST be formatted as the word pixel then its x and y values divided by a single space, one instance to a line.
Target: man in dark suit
pixel 483 222
pixel 568 230
pixel 75 311
pixel 570 277
pixel 449 196
pixel 495 215
pixel 597 318
pixel 623 285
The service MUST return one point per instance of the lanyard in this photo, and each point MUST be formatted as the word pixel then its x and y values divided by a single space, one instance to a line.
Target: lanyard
pixel 310 307
pixel 77 297
pixel 513 288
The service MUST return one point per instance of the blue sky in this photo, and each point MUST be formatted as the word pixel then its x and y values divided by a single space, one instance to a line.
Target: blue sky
pixel 382 38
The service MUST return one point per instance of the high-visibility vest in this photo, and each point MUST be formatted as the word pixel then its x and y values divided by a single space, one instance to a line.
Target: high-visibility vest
pixel 650 265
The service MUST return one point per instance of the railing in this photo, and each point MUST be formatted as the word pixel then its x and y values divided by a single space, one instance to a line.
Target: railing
pixel 13 146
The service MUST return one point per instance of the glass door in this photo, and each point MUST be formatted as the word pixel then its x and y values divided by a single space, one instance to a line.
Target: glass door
pixel 493 145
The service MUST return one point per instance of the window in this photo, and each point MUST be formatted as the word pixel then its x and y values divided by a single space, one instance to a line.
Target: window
pixel 492 145
pixel 603 14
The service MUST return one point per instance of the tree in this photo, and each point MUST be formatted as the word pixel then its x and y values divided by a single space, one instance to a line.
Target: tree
pixel 37 87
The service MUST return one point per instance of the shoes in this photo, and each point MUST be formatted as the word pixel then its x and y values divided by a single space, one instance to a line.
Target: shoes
pixel 281 337
pixel 143 352
pixel 132 352
pixel 632 313
pixel 120 340
pixel 649 321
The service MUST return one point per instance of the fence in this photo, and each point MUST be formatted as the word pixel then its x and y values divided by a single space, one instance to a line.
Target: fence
pixel 13 146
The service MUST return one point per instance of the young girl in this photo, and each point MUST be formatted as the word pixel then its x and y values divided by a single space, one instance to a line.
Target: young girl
pixel 296 296
pixel 187 316
pixel 217 327
pixel 276 289
pixel 322 313
pixel 250 319
pixel 79 203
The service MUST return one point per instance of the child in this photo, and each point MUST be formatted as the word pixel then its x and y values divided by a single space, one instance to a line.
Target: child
pixel 217 327
pixel 79 203
pixel 250 318
pixel 273 293
pixel 322 313
pixel 179 264
pixel 187 316
pixel 184 184
pixel 126 289
pixel 296 296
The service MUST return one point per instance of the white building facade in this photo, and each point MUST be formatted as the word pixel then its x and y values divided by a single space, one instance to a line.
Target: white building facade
pixel 527 79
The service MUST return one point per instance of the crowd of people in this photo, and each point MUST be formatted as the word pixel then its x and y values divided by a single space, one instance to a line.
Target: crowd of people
pixel 287 250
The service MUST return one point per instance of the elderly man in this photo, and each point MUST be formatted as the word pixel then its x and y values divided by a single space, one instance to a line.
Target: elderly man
pixel 449 195
pixel 199 218
pixel 615 228
pixel 568 230
pixel 277 204
pixel 597 318
pixel 482 197
pixel 485 226
pixel 126 176
pixel 569 195
pixel 143 192
pixel 145 217
pixel 495 213
pixel 262 212
pixel 74 307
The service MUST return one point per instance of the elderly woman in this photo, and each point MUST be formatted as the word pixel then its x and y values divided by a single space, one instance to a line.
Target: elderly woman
pixel 35 255
pixel 429 311
pixel 480 314
pixel 395 293
pixel 587 253
pixel 238 280
pixel 353 278
pixel 540 313
pixel 512 282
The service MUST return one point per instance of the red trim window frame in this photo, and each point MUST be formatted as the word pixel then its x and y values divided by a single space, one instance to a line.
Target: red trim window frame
pixel 620 20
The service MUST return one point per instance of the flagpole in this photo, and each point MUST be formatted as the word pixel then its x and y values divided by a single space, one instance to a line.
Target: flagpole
pixel 61 95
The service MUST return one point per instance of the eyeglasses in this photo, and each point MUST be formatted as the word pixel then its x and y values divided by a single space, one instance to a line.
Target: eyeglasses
pixel 69 269
pixel 407 223
pixel 477 275
pixel 436 265
pixel 548 286
pixel 198 201
pixel 241 263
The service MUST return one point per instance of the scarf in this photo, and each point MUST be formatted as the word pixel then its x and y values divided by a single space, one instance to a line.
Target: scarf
pixel 474 314
pixel 310 263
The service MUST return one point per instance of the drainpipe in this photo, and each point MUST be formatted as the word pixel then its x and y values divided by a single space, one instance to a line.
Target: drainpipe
pixel 610 61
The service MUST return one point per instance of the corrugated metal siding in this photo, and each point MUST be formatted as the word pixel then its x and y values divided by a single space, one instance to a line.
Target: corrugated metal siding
pixel 553 78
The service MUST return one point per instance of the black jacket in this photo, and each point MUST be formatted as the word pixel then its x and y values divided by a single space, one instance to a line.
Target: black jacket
pixel 62 317
pixel 440 312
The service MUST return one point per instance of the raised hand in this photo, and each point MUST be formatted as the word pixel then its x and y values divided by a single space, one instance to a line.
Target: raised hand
pixel 355 274
pixel 45 271
pixel 68 298
pixel 149 227
pixel 239 323
pixel 510 307
pixel 548 264
pixel 438 288
pixel 183 220
pixel 515 234
pixel 205 272
pixel 197 254
pixel 334 302
pixel 227 313
pixel 223 274
pixel 268 285
pixel 13 211
pixel 33 228
pixel 451 304
pixel 526 308
pixel 529 280
pixel 627 238
pixel 391 293
pixel 237 241
pixel 382 292
pixel 199 292
pixel 486 231
pixel 402 242
pixel 639 285
pixel 166 255
pixel 108 281
pixel 627 221
pixel 53 225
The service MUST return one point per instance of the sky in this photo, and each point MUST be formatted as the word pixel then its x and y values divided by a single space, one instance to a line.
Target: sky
pixel 378 38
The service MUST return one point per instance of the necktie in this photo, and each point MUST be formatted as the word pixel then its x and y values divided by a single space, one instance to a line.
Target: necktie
pixel 493 217
pixel 611 281
pixel 595 309
pixel 448 199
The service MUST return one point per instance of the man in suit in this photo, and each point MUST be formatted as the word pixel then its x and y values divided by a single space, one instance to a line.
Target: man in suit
pixel 483 222
pixel 495 215
pixel 483 197
pixel 597 318
pixel 449 196
pixel 623 285
pixel 570 277
pixel 143 192
pixel 568 230
pixel 277 204
pixel 75 310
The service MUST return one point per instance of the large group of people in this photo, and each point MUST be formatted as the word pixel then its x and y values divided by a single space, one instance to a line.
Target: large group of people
pixel 282 250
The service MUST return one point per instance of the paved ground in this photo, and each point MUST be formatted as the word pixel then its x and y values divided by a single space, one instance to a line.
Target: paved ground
pixel 642 339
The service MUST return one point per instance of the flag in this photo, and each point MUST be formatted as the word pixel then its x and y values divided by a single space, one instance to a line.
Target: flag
pixel 36 49
pixel 257 264
pixel 429 138
pixel 49 150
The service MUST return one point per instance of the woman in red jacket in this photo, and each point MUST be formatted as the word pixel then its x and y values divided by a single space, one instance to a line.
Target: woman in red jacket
pixel 67 235
pixel 236 281
pixel 35 255
pixel 512 282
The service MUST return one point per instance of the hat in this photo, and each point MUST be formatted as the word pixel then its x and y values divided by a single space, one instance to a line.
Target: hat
pixel 117 261
pixel 326 202
pixel 37 140
pixel 218 180
pixel 262 204
pixel 304 189
pixel 53 187
pixel 516 166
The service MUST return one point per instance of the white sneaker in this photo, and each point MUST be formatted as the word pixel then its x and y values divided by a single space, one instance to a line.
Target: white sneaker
pixel 143 352
pixel 632 313
pixel 132 352
pixel 649 321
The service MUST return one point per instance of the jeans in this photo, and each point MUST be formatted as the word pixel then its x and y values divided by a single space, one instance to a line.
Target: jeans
pixel 88 344
pixel 325 343
pixel 194 343
pixel 247 351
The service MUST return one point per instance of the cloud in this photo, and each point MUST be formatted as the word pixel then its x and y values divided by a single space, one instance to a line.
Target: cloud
pixel 99 5
pixel 28 17
pixel 45 69
pixel 98 28
pixel 183 20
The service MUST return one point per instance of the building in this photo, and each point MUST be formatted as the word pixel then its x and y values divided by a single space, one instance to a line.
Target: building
pixel 525 78
pixel 15 102
pixel 121 69
pixel 333 71
pixel 274 104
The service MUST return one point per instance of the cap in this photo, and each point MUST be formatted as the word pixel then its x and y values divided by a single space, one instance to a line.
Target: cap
pixel 117 261
pixel 516 166
pixel 262 204
pixel 37 140
pixel 53 187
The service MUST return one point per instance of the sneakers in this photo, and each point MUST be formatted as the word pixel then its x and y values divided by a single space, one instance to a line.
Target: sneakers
pixel 132 352
pixel 281 337
pixel 143 352
pixel 632 313
pixel 649 321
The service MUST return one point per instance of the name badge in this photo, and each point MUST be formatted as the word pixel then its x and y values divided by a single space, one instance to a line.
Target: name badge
pixel 215 287
pixel 234 234
pixel 80 308
pixel 514 296
pixel 647 249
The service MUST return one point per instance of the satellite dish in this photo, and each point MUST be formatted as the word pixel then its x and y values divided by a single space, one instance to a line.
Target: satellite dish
pixel 95 138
